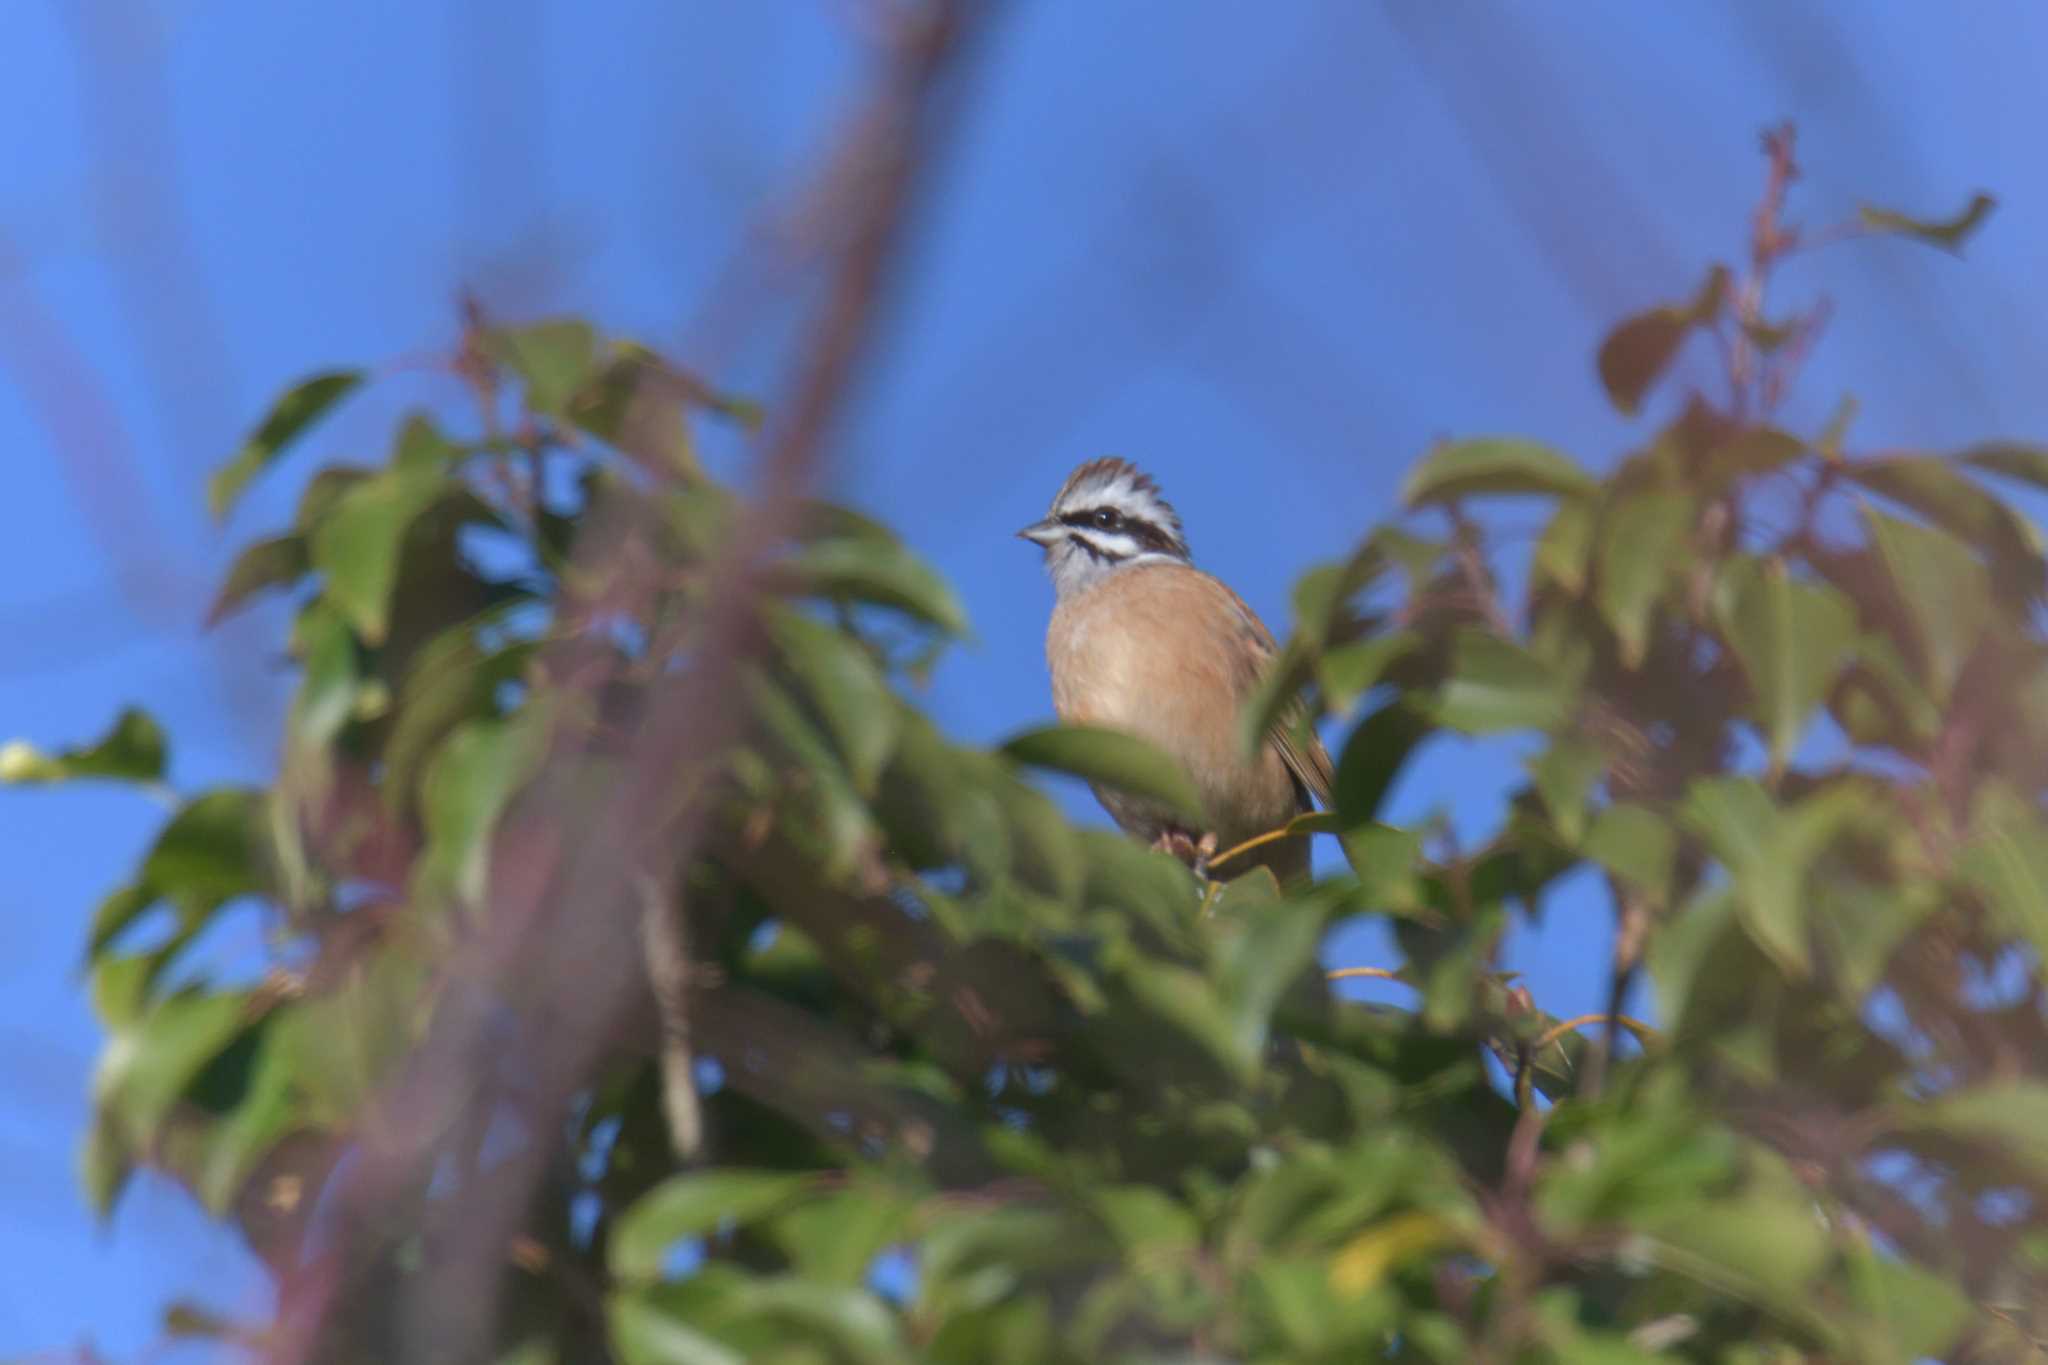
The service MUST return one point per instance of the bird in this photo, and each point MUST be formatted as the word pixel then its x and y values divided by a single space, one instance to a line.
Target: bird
pixel 1144 642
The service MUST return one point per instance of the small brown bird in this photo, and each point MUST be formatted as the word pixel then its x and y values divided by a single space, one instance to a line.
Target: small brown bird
pixel 1144 642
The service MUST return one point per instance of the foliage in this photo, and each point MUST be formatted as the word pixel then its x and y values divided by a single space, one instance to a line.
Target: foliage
pixel 954 1080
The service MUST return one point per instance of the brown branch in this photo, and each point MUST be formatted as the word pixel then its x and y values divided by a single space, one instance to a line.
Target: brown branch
pixel 563 925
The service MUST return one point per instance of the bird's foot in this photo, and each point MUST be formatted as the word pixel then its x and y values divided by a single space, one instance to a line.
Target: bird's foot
pixel 1193 851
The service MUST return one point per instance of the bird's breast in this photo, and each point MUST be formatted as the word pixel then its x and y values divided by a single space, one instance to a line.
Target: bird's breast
pixel 1167 653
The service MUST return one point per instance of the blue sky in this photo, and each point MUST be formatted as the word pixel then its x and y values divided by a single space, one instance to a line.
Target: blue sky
pixel 1271 259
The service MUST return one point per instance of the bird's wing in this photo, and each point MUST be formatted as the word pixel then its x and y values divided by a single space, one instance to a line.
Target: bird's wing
pixel 1290 735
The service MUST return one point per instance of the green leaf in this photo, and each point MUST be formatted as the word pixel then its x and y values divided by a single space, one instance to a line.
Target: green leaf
pixel 1944 589
pixel 2007 862
pixel 330 680
pixel 422 449
pixel 1146 1221
pixel 1384 859
pixel 1276 947
pixel 145 1069
pixel 1637 845
pixel 823 812
pixel 1496 685
pixel 1373 757
pixel 1763 1245
pixel 1565 775
pixel 323 491
pixel 1637 352
pixel 277 562
pixel 881 572
pixel 1565 552
pixel 208 853
pixel 466 786
pixel 1940 492
pixel 1793 640
pixel 833 1237
pixel 1347 672
pixel 695 1205
pixel 553 359
pixel 1754 451
pixel 1770 852
pixel 2010 1115
pixel 1111 758
pixel 341 1046
pixel 639 403
pixel 841 680
pixel 238 1144
pixel 132 751
pixel 644 1332
pixel 357 545
pixel 1492 465
pixel 1642 537
pixel 1949 234
pixel 1189 1004
pixel 452 678
pixel 1913 1313
pixel 300 407
pixel 2014 459
pixel 105 1162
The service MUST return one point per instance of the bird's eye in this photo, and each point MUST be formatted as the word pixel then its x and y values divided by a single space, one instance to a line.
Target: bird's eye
pixel 1107 518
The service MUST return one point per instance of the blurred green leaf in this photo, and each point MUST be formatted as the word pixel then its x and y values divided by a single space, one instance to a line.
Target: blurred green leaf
pixel 356 547
pixel 644 1332
pixel 1752 451
pixel 1939 491
pixel 132 751
pixel 1274 952
pixel 695 1205
pixel 1793 639
pixel 1912 1312
pixel 834 1236
pixel 842 682
pixel 1373 757
pixel 1111 758
pixel 341 1046
pixel 1642 539
pixel 451 679
pixel 150 1065
pixel 1495 684
pixel 210 847
pixel 1944 589
pixel 1492 466
pixel 553 359
pixel 1565 775
pixel 1565 551
pixel 2008 1115
pixel 277 562
pixel 1637 845
pixel 465 787
pixel 238 1144
pixel 2006 860
pixel 1949 234
pixel 2014 459
pixel 880 572
pixel 1769 851
pixel 1346 672
pixel 300 407
pixel 1147 1222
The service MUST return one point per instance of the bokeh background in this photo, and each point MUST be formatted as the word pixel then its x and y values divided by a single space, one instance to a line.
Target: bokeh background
pixel 1268 252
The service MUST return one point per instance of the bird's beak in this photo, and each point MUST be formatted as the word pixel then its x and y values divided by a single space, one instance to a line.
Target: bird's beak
pixel 1043 532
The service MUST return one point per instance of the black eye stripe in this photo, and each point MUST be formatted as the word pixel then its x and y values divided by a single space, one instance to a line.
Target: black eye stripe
pixel 1149 536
